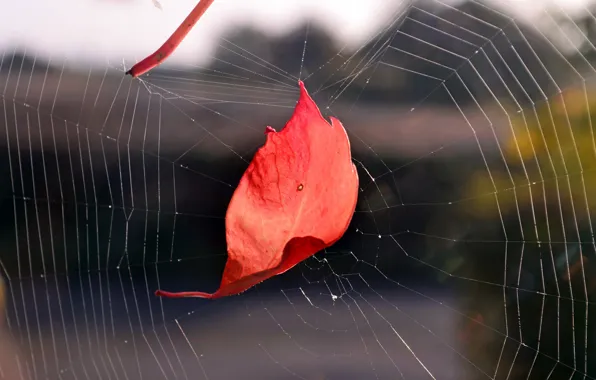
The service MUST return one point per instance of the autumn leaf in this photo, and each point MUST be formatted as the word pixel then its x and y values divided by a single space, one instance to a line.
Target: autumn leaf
pixel 296 198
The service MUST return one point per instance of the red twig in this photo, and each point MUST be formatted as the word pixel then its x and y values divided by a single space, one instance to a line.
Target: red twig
pixel 172 43
pixel 162 293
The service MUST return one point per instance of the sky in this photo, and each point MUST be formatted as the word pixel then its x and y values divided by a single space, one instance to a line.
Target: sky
pixel 128 30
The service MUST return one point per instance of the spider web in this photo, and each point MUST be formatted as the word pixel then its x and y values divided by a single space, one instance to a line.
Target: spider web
pixel 471 253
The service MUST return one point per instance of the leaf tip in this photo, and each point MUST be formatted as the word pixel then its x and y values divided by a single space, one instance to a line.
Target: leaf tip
pixel 303 90
pixel 305 99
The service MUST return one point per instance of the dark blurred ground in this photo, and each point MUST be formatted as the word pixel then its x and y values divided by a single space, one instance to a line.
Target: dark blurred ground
pixel 260 336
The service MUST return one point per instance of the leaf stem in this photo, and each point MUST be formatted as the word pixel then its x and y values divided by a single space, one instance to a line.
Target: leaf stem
pixel 172 43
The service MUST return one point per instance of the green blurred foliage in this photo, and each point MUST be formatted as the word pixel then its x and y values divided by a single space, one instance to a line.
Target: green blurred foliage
pixel 536 203
pixel 548 164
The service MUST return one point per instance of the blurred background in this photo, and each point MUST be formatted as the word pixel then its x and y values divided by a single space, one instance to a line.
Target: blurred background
pixel 471 254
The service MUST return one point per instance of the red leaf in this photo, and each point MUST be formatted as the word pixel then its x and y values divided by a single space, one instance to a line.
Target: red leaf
pixel 296 197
